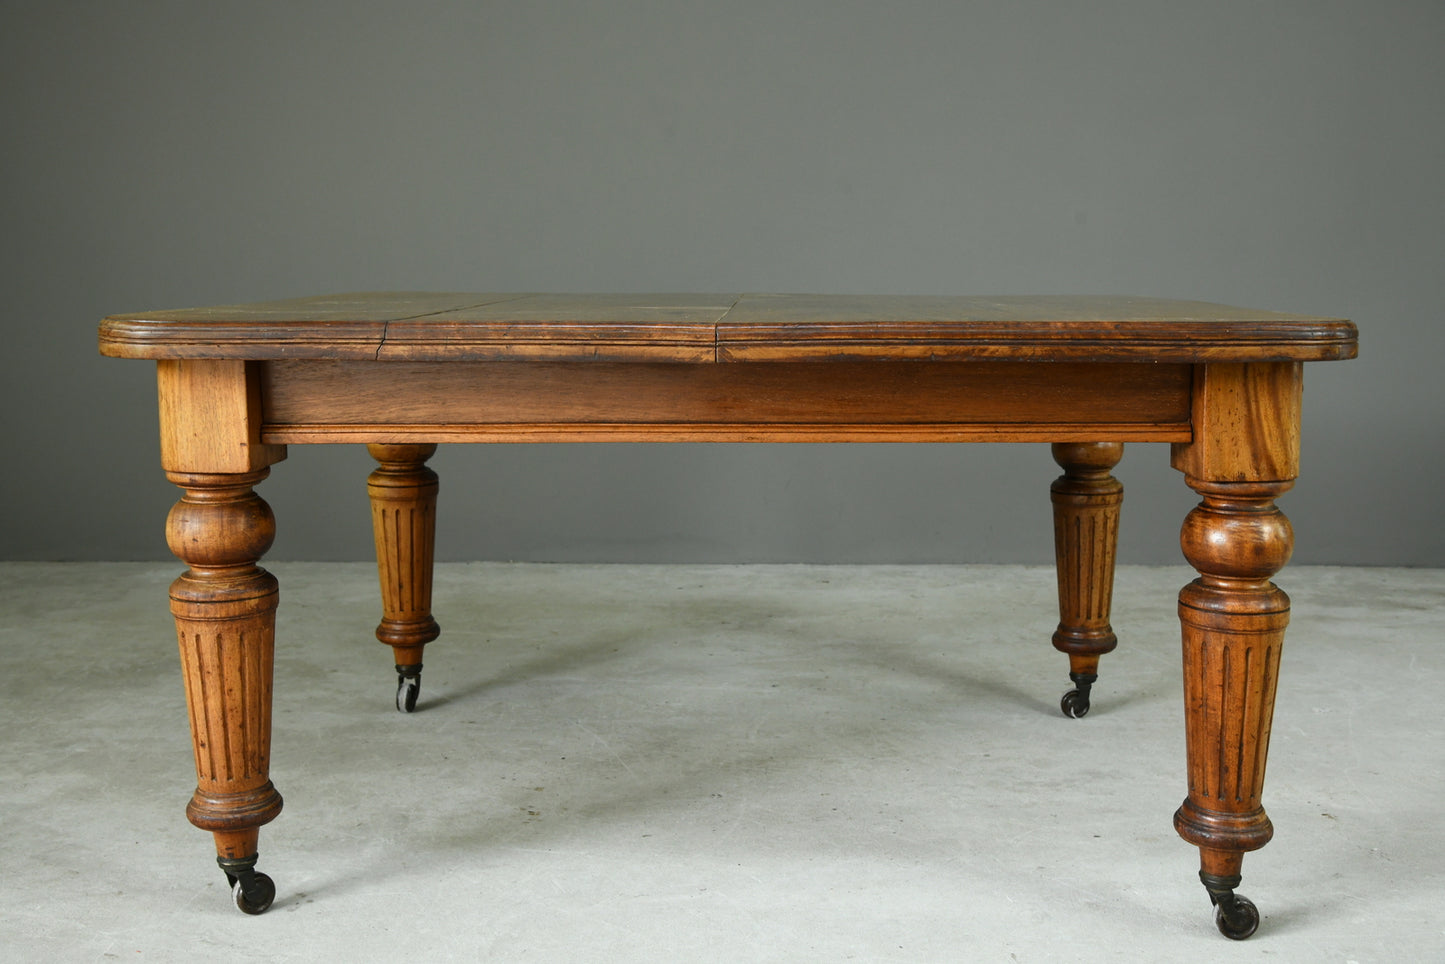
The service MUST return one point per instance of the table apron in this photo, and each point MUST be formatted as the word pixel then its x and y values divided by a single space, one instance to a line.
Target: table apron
pixel 306 401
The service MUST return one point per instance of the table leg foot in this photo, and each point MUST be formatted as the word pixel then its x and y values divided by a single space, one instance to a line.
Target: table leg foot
pixel 252 890
pixel 1086 501
pixel 1075 702
pixel 1234 914
pixel 408 687
pixel 403 495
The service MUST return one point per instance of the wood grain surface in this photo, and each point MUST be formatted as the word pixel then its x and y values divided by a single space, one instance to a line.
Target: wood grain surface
pixel 409 326
pixel 338 401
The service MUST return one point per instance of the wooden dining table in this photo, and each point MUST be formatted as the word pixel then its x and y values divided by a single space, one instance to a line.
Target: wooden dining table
pixel 405 371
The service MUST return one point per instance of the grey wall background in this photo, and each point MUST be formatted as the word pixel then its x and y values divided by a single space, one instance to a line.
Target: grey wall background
pixel 1279 155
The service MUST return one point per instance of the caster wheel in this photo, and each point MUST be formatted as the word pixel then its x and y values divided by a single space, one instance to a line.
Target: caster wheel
pixel 1074 704
pixel 1240 922
pixel 408 688
pixel 263 892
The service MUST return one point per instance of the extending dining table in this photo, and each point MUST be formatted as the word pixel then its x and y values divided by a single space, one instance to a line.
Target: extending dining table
pixel 405 371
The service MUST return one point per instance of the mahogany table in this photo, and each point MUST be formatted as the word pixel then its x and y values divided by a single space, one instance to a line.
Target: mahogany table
pixel 402 372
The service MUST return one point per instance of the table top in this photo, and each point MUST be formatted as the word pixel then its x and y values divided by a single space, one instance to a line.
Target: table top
pixel 704 328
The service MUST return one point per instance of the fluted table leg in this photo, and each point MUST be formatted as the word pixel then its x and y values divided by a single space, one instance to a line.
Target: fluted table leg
pixel 1245 453
pixel 403 495
pixel 1086 502
pixel 1233 621
pixel 225 611
pixel 224 604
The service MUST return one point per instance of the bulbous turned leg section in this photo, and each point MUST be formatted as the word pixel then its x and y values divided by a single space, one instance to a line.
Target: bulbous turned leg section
pixel 403 495
pixel 1087 500
pixel 1233 621
pixel 225 607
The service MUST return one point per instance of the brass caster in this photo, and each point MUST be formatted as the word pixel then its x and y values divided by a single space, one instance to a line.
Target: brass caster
pixel 1236 917
pixel 252 890
pixel 1075 703
pixel 1239 921
pixel 408 687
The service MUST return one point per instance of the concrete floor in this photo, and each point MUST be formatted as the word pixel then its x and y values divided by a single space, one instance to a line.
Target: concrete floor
pixel 690 763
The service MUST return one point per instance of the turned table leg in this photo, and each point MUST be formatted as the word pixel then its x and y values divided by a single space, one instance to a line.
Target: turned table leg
pixel 225 608
pixel 1086 502
pixel 403 513
pixel 1244 454
pixel 224 604
pixel 1233 621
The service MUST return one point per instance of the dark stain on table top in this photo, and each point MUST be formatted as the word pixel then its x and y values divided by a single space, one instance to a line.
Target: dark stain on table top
pixel 704 328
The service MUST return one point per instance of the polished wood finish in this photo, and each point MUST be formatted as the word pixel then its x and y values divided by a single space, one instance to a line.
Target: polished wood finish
pixel 314 401
pixel 224 604
pixel 1245 453
pixel 1233 620
pixel 411 326
pixel 1041 328
pixel 210 412
pixel 403 371
pixel 1087 500
pixel 225 611
pixel 1246 423
pixel 403 495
